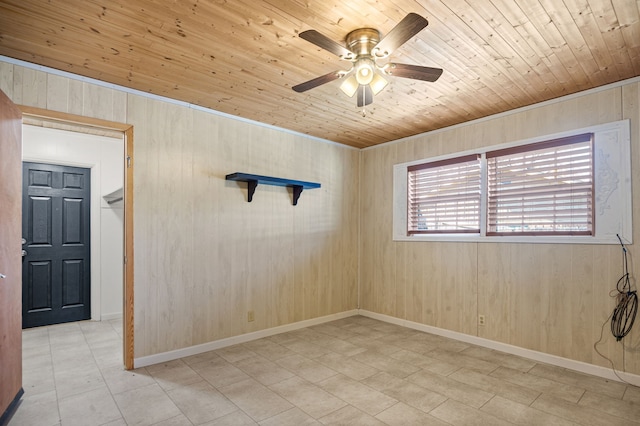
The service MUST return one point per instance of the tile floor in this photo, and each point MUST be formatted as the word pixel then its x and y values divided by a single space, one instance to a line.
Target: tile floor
pixel 354 371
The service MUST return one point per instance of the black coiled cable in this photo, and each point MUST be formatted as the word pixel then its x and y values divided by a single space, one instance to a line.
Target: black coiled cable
pixel 624 314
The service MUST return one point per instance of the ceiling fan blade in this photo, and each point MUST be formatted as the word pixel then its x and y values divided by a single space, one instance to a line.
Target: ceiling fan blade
pixel 413 71
pixel 320 40
pixel 318 81
pixel 365 95
pixel 411 25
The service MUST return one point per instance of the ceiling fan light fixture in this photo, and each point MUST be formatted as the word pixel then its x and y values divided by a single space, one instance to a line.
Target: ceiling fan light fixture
pixel 350 86
pixel 363 47
pixel 364 71
pixel 378 83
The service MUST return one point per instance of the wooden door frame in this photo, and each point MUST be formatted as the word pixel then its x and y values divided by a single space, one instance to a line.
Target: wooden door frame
pixel 127 131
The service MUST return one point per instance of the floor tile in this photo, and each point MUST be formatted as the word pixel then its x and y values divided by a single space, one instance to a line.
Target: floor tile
pixel 445 344
pixel 347 366
pixel 268 349
pixel 146 406
pixel 402 415
pixel 235 353
pixel 172 374
pixel 36 356
pixel 292 417
pixel 255 399
pixel 576 413
pixel 410 343
pixel 616 407
pixel 108 354
pixel 76 381
pixel 265 371
pixel 632 394
pixel 521 414
pixel 345 372
pixel 386 363
pixel 237 418
pixel 96 407
pixel 38 380
pixel 425 362
pixel 306 368
pixel 350 416
pixel 310 398
pixel 453 389
pixel 179 420
pixel 363 330
pixel 219 372
pixel 37 410
pixel 404 391
pixel 357 394
pixel 335 331
pixel 459 414
pixel 119 422
pixel 462 360
pixel 72 358
pixel 338 346
pixel 503 359
pixel 37 336
pixel 201 357
pixel 541 384
pixel 375 345
pixel 305 348
pixel 495 386
pixel 592 383
pixel 120 380
pixel 200 402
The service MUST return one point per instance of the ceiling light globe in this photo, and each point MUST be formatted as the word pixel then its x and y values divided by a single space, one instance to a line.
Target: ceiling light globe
pixel 364 72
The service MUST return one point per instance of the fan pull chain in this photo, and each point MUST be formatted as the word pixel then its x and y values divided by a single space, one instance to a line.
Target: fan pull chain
pixel 364 106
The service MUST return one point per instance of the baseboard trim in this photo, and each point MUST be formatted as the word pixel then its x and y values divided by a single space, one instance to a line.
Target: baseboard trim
pixel 558 361
pixel 230 341
pixel 109 317
pixel 11 409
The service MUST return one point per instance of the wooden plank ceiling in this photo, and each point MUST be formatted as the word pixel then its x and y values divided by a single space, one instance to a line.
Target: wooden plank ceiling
pixel 242 57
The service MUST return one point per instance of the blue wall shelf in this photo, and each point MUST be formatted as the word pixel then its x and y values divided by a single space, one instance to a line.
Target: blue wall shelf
pixel 253 181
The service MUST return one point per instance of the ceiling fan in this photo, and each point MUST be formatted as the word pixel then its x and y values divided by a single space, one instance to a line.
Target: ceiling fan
pixel 363 48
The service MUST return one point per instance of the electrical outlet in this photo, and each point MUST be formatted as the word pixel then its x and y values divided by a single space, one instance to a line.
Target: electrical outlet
pixel 250 316
pixel 481 320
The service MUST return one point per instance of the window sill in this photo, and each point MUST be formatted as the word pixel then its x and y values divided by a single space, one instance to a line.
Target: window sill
pixel 538 239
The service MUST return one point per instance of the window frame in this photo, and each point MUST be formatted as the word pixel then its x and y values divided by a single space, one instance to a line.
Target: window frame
pixel 613 198
pixel 539 146
pixel 440 165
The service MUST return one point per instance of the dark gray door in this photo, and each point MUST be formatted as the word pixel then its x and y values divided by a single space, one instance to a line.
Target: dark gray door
pixel 56 270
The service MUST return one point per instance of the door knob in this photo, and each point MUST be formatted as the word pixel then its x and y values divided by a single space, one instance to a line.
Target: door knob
pixel 24 253
pixel 24 241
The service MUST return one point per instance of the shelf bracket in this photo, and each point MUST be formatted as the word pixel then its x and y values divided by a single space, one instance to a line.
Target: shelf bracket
pixel 253 180
pixel 297 190
pixel 251 188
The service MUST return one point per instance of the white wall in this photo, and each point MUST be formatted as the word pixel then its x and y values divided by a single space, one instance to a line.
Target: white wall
pixel 104 156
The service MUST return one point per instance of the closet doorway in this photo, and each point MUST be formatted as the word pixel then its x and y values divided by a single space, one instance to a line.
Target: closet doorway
pixel 69 122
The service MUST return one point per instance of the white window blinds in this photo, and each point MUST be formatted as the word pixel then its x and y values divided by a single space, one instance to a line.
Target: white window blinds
pixel 444 196
pixel 545 188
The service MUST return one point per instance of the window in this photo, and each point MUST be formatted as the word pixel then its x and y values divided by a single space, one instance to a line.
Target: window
pixel 571 187
pixel 444 196
pixel 542 188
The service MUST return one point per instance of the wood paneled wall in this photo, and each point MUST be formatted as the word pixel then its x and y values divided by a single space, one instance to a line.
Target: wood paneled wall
pixel 552 298
pixel 204 256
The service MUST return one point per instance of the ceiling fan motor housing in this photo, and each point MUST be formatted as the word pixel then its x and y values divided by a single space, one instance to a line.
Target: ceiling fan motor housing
pixel 362 41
